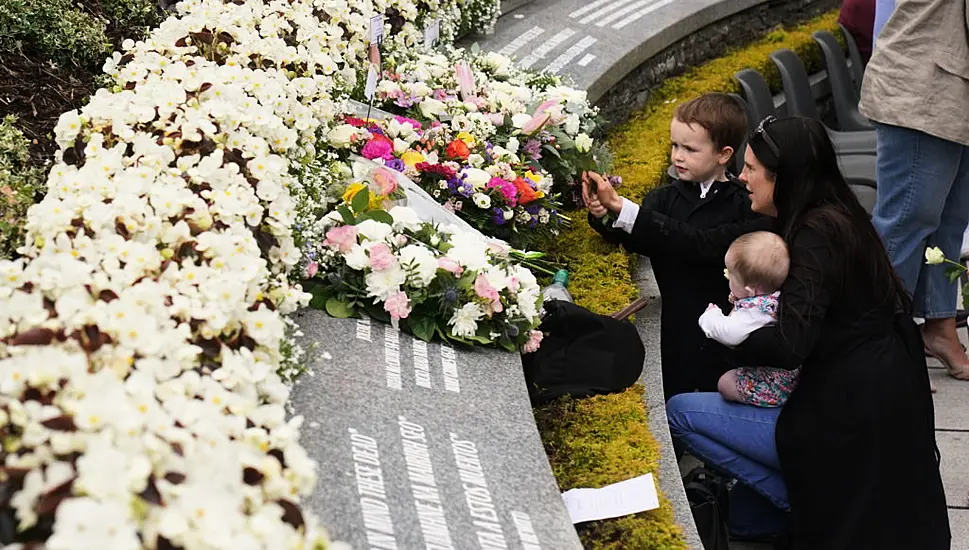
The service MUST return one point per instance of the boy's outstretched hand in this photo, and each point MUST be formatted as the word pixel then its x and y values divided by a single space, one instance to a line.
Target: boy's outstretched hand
pixel 599 195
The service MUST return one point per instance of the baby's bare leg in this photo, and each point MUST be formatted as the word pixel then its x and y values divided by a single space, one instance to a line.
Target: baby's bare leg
pixel 727 386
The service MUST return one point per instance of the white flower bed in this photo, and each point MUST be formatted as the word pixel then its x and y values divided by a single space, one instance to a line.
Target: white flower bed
pixel 143 341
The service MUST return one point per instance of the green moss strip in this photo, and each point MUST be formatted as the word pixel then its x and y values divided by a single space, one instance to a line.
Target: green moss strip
pixel 603 440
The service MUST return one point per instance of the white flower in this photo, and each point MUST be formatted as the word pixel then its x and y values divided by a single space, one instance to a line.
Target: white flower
pixel 476 177
pixel 469 250
pixel 464 322
pixel 583 143
pixel 422 261
pixel 512 145
pixel 405 218
pixel 342 135
pixel 520 119
pixel 381 284
pixel 934 256
pixel 374 230
pixel 432 108
pixel 481 200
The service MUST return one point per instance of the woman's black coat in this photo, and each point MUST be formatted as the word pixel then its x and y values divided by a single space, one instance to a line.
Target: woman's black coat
pixel 856 439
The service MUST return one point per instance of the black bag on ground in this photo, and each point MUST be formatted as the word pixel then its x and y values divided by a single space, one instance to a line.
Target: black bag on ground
pixel 582 354
pixel 710 504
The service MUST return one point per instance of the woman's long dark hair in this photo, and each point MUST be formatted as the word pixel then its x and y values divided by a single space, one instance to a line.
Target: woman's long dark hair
pixel 810 191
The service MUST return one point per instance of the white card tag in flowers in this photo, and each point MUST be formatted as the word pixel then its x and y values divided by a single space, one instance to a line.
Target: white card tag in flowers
pixel 371 87
pixel 619 499
pixel 376 29
pixel 432 33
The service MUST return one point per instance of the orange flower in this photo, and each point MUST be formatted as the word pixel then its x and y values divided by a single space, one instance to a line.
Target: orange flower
pixel 525 192
pixel 458 149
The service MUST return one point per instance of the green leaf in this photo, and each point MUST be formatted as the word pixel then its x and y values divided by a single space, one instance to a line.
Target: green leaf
pixel 422 327
pixel 338 308
pixel 381 216
pixel 346 214
pixel 361 201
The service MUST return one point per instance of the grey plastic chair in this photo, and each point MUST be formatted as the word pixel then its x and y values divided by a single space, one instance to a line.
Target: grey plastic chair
pixel 797 84
pixel 854 54
pixel 760 103
pixel 738 157
pixel 858 169
pixel 866 196
pixel 842 88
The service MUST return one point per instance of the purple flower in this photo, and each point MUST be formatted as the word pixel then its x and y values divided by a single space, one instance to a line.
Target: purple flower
pixel 498 216
pixel 395 164
pixel 533 149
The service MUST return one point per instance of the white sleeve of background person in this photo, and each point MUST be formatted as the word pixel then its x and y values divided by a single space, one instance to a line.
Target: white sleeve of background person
pixel 733 329
pixel 627 216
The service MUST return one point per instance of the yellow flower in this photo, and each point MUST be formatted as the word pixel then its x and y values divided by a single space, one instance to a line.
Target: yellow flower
pixel 411 158
pixel 533 176
pixel 467 139
pixel 352 191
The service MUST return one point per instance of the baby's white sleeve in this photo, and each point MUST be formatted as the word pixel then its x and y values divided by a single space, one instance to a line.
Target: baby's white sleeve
pixel 733 329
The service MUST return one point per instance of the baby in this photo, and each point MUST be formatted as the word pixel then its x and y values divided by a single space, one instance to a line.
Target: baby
pixel 757 265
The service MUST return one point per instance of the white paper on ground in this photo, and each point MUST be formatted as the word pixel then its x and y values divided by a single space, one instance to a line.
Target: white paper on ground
pixel 619 499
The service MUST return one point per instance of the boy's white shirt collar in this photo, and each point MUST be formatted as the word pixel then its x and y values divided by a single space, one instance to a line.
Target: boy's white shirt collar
pixel 630 210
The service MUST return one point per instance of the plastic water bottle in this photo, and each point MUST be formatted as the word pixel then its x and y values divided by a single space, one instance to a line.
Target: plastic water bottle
pixel 558 290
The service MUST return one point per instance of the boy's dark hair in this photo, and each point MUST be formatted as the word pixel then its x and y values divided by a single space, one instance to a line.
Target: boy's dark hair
pixel 720 115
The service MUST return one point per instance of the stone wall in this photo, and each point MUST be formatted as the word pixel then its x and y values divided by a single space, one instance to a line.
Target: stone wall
pixel 712 41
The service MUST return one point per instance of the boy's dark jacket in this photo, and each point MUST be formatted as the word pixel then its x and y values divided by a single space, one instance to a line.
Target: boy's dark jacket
pixel 691 361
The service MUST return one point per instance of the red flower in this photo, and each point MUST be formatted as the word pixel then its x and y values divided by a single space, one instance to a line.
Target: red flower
pixel 525 192
pixel 458 149
pixel 439 169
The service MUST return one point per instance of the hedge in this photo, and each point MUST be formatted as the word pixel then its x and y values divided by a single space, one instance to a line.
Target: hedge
pixel 604 440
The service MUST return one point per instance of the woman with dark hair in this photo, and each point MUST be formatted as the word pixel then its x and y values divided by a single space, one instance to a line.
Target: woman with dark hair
pixel 855 459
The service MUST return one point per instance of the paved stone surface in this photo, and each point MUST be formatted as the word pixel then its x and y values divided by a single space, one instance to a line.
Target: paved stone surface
pixel 670 476
pixel 959 524
pixel 424 446
pixel 955 467
pixel 598 42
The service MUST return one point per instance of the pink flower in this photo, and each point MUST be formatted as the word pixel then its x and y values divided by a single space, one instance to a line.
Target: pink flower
pixel 398 306
pixel 536 123
pixel 405 120
pixel 497 119
pixel 380 257
pixel 465 79
pixel 506 188
pixel 341 238
pixel 311 270
pixel 378 147
pixel 534 342
pixel 449 265
pixel 484 290
pixel 385 180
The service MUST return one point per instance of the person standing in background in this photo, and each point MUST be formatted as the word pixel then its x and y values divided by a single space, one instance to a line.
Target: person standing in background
pixel 916 91
pixel 858 17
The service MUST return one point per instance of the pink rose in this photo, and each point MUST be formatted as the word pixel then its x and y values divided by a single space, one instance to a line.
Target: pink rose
pixel 385 180
pixel 380 257
pixel 312 269
pixel 484 290
pixel 534 342
pixel 341 238
pixel 451 266
pixel 405 120
pixel 398 306
pixel 378 147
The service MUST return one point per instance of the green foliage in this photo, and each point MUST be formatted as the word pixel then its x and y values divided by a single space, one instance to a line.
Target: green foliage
pixel 54 30
pixel 597 441
pixel 19 183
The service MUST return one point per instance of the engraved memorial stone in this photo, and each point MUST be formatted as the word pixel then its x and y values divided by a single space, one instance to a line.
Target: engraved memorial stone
pixel 422 445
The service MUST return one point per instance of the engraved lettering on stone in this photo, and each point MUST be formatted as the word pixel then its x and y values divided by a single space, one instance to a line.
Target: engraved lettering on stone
pixel 422 367
pixel 480 504
pixel 392 357
pixel 363 329
pixel 370 485
pixel 526 531
pixel 450 366
pixel 427 500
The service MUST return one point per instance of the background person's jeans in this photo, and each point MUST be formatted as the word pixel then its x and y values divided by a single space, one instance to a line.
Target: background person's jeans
pixel 737 440
pixel 922 200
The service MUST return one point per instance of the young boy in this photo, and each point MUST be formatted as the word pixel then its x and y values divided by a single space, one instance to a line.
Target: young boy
pixel 706 133
pixel 757 265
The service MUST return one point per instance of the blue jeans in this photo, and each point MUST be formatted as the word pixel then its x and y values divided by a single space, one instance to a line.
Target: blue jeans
pixel 737 440
pixel 922 201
